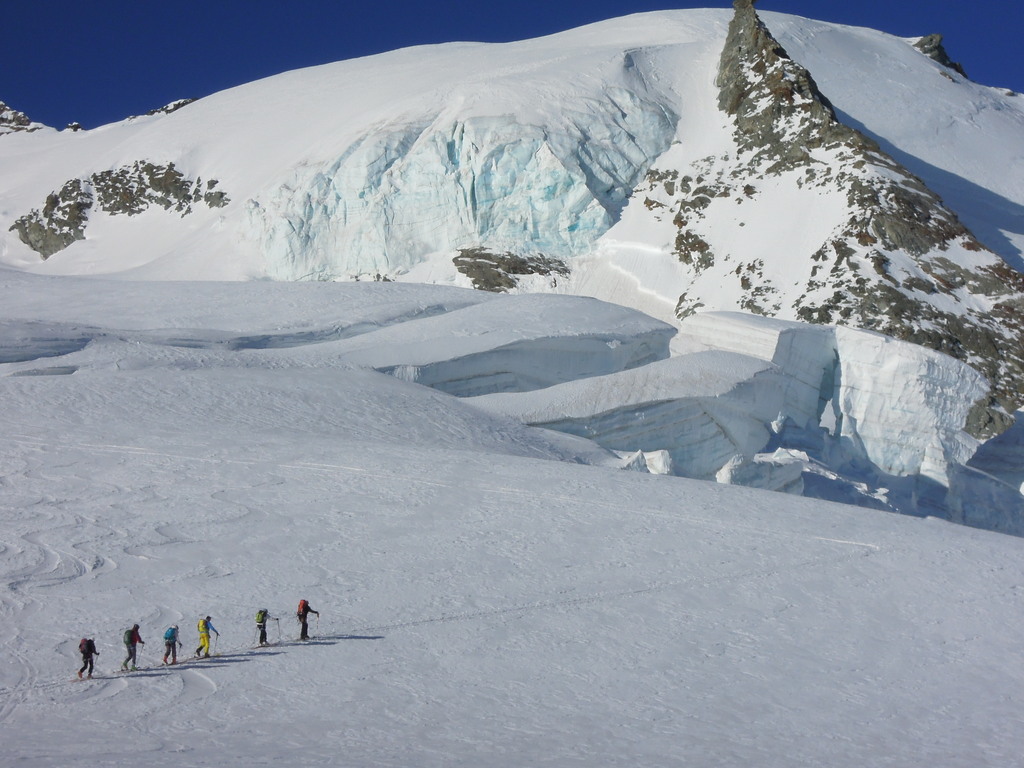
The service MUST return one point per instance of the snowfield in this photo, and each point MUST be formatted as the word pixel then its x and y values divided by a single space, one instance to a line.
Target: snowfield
pixel 490 593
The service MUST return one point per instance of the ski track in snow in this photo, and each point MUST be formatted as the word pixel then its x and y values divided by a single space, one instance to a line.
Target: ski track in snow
pixel 500 490
pixel 56 567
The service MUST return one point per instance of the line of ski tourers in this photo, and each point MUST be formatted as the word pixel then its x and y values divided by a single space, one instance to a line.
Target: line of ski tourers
pixel 132 640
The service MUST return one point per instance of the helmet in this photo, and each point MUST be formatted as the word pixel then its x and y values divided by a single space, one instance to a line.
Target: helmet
pixel 207 618
pixel 135 626
pixel 174 626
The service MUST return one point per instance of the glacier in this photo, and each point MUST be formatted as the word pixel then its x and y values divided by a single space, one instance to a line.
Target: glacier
pixel 551 147
pixel 491 593
pixel 823 411
pixel 400 192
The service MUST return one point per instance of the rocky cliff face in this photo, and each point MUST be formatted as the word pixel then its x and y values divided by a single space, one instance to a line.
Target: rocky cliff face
pixel 893 259
pixel 128 191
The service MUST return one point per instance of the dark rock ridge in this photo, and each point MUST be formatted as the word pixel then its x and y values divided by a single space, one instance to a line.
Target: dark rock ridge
pixel 167 109
pixel 128 190
pixel 900 263
pixel 499 272
pixel 931 46
pixel 13 121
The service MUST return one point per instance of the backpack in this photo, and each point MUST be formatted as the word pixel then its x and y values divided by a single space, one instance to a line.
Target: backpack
pixel 303 608
pixel 129 635
pixel 83 645
pixel 171 635
pixel 261 617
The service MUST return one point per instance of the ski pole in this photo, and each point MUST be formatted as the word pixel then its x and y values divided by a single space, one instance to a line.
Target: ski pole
pixel 278 630
pixel 215 641
pixel 316 629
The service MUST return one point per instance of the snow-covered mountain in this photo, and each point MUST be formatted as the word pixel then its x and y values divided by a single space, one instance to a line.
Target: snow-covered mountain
pixel 689 164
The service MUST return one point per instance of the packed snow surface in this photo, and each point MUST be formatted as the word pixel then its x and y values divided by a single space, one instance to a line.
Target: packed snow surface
pixel 489 593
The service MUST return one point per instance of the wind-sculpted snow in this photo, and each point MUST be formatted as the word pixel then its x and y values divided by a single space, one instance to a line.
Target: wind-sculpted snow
pixel 513 344
pixel 702 409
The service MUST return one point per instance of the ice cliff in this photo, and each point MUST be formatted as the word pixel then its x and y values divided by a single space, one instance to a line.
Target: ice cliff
pixel 406 189
pixel 830 412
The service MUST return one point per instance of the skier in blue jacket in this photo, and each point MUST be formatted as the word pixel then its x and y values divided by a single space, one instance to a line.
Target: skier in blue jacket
pixel 171 644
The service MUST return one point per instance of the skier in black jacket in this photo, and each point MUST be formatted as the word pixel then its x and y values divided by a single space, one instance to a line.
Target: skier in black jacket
pixel 87 647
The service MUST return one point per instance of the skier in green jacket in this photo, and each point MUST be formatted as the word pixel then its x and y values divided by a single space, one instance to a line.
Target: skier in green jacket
pixel 132 640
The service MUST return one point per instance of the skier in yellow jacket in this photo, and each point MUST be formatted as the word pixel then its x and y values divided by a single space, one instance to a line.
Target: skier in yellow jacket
pixel 205 627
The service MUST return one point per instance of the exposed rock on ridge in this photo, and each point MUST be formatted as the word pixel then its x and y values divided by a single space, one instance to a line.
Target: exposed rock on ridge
pixel 500 272
pixel 13 121
pixel 896 261
pixel 931 46
pixel 128 190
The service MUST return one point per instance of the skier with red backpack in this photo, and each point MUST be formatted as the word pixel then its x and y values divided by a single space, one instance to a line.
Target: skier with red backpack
pixel 87 647
pixel 302 614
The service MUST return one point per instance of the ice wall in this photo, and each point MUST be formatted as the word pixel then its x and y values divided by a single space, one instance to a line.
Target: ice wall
pixel 405 190
pixel 897 405
pixel 905 406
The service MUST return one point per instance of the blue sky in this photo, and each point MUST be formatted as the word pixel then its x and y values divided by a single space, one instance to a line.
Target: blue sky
pixel 101 61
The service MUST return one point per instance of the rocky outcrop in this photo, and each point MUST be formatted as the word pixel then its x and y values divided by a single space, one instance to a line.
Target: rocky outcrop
pixel 931 46
pixel 60 222
pixel 895 260
pixel 128 190
pixel 13 121
pixel 167 109
pixel 500 272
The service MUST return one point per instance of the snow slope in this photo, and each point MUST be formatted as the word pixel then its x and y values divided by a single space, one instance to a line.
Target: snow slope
pixel 490 594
